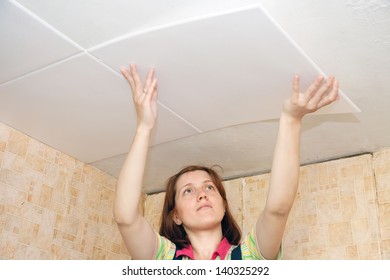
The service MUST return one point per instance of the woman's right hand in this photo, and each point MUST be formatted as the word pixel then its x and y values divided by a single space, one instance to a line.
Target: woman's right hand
pixel 144 96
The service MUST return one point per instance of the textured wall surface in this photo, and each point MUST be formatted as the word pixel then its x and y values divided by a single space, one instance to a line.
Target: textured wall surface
pixel 335 212
pixel 55 207
pixel 381 163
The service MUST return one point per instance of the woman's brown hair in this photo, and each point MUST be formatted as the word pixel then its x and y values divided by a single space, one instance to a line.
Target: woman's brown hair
pixel 176 233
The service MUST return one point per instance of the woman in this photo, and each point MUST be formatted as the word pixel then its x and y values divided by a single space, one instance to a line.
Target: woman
pixel 197 223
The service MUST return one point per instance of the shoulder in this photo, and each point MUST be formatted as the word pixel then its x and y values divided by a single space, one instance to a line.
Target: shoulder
pixel 250 249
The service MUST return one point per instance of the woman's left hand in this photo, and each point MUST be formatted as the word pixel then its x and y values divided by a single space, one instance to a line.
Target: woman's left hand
pixel 319 94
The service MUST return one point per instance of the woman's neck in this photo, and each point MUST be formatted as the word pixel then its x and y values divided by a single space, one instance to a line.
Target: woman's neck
pixel 205 242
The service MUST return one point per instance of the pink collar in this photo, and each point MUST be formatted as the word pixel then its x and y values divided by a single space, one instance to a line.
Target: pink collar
pixel 221 251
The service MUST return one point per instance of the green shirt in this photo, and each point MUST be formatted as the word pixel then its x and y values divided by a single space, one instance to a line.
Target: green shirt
pixel 166 249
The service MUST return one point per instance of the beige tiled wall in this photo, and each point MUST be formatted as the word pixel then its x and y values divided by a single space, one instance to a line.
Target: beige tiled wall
pixel 381 163
pixel 55 207
pixel 335 212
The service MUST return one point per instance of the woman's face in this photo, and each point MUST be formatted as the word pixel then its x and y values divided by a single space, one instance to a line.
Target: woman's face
pixel 199 205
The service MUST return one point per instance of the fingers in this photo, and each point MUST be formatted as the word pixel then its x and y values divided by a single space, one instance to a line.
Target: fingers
pixel 321 90
pixel 314 87
pixel 133 79
pixel 152 87
pixel 139 91
pixel 148 92
pixel 332 95
pixel 295 89
pixel 125 72
pixel 135 76
pixel 320 94
pixel 153 96
pixel 148 80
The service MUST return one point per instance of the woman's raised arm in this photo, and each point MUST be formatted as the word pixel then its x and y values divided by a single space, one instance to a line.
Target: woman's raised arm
pixel 137 234
pixel 286 161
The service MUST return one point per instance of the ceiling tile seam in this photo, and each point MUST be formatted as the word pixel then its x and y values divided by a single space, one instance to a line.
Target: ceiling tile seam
pixel 33 72
pixel 174 23
pixel 292 41
pixel 101 62
pixel 46 24
pixel 305 55
pixel 180 117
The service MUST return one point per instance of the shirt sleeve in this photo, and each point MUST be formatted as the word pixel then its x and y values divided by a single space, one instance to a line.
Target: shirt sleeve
pixel 250 249
pixel 165 249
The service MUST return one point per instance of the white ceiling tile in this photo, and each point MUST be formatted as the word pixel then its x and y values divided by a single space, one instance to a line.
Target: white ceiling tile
pixel 220 71
pixel 81 108
pixel 27 44
pixel 91 22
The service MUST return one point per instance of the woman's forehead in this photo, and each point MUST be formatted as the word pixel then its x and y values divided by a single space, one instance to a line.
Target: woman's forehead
pixel 193 177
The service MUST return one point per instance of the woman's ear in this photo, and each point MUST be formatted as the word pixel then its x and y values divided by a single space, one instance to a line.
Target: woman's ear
pixel 177 220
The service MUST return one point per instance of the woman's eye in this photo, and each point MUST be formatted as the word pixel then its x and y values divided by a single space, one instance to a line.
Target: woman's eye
pixel 210 187
pixel 187 191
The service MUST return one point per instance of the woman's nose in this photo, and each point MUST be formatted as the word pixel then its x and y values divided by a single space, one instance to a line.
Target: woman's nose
pixel 202 195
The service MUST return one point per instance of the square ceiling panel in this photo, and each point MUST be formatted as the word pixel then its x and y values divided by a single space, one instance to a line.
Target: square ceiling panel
pixel 94 22
pixel 27 43
pixel 81 108
pixel 223 70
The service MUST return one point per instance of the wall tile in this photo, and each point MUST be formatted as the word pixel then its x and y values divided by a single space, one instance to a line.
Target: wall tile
pixel 255 190
pixel 17 143
pixel 340 234
pixel 234 197
pixel 352 252
pixel 381 164
pixel 385 246
pixel 2 145
pixel 153 209
pixel 369 251
pixel 317 252
pixel 8 245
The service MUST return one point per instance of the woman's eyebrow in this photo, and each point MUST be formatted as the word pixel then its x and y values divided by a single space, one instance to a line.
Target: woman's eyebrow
pixel 191 184
pixel 186 185
pixel 208 181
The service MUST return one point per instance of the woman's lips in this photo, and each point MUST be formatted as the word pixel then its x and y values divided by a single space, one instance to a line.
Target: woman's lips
pixel 205 206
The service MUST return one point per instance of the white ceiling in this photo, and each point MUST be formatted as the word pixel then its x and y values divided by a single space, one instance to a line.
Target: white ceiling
pixel 224 68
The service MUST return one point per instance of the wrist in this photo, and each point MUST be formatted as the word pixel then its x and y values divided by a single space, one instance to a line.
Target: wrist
pixel 143 129
pixel 290 118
